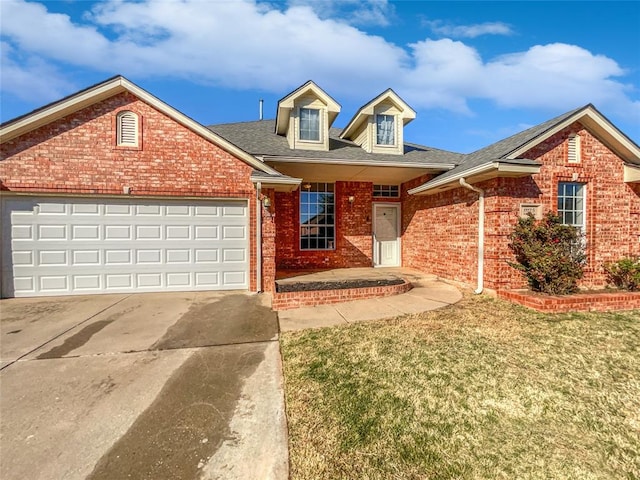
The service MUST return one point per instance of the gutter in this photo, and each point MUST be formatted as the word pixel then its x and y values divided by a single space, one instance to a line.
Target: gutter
pixel 499 166
pixel 480 192
pixel 366 163
pixel 258 237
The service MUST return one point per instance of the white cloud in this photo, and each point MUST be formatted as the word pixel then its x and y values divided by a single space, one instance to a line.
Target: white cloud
pixel 439 27
pixel 31 79
pixel 354 12
pixel 249 45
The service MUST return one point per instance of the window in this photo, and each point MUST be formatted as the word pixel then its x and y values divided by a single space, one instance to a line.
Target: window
pixel 573 150
pixel 391 191
pixel 385 130
pixel 310 124
pixel 127 129
pixel 571 204
pixel 317 217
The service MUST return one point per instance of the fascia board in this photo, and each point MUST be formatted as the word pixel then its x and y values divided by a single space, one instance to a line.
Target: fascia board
pixel 198 128
pixel 61 109
pixel 327 161
pixel 631 174
pixel 631 149
pixel 111 88
pixel 278 180
pixel 480 169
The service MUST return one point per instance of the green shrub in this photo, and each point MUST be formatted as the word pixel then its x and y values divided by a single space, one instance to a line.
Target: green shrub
pixel 548 253
pixel 625 273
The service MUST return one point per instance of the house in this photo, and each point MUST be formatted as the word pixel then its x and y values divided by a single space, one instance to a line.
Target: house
pixel 113 190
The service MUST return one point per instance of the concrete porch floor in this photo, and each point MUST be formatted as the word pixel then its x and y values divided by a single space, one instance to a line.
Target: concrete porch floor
pixel 428 293
pixel 340 274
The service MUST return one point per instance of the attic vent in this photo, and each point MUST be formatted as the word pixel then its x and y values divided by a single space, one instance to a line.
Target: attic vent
pixel 574 149
pixel 127 127
pixel 534 209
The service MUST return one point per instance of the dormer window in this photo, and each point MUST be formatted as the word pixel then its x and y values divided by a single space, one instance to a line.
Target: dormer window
pixel 305 116
pixel 385 130
pixel 378 126
pixel 310 124
pixel 127 129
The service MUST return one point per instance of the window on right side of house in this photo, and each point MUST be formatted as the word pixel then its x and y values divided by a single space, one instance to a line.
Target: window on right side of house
pixel 571 204
pixel 385 130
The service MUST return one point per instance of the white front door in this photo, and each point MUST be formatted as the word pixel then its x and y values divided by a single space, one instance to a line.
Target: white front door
pixel 386 241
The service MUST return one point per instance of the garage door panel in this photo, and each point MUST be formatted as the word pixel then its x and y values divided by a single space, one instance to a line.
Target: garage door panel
pixel 85 209
pixel 95 246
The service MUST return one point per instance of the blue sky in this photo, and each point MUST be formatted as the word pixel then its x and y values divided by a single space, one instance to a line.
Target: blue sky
pixel 475 72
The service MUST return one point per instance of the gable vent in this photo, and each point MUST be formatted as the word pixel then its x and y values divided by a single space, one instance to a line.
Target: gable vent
pixel 574 149
pixel 128 129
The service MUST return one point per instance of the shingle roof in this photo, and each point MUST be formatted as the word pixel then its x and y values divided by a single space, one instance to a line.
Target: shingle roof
pixel 258 139
pixel 499 151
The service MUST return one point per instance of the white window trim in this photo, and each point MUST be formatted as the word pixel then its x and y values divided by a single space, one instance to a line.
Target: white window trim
pixel 395 131
pixel 320 132
pixel 583 227
pixel 120 142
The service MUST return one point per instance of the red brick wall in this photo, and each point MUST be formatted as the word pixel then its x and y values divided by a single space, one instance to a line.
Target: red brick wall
pixel 354 245
pixel 440 231
pixel 268 243
pixel 78 155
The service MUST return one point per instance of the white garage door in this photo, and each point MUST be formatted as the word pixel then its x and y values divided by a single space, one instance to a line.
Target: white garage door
pixel 62 246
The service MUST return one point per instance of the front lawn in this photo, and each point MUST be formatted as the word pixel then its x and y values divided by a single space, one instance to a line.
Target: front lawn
pixel 482 389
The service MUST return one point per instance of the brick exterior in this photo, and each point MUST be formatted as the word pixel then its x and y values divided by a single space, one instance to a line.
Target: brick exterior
pixel 78 155
pixel 583 302
pixel 440 231
pixel 288 300
pixel 354 241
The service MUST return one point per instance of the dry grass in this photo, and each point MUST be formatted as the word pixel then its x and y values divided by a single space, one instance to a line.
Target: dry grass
pixel 483 389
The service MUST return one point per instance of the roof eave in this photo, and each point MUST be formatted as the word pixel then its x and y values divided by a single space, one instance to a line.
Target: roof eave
pixel 591 118
pixel 279 184
pixel 333 161
pixel 631 174
pixel 112 87
pixel 480 173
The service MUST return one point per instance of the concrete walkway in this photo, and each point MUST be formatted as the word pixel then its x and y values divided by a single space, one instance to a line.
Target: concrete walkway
pixel 428 293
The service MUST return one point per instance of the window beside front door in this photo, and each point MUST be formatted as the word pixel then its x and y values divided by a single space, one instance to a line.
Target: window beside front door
pixel 317 217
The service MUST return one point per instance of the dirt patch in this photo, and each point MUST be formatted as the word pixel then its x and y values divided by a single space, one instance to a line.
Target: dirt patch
pixel 335 285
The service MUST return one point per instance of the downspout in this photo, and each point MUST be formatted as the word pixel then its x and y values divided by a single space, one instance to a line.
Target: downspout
pixel 480 234
pixel 258 237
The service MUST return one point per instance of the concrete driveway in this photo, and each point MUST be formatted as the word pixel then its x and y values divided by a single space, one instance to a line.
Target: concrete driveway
pixel 153 386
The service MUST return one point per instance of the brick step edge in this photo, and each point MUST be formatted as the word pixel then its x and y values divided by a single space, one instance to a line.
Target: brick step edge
pixel 312 298
pixel 579 302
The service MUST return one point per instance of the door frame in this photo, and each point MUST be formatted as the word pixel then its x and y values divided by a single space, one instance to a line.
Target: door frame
pixel 374 242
